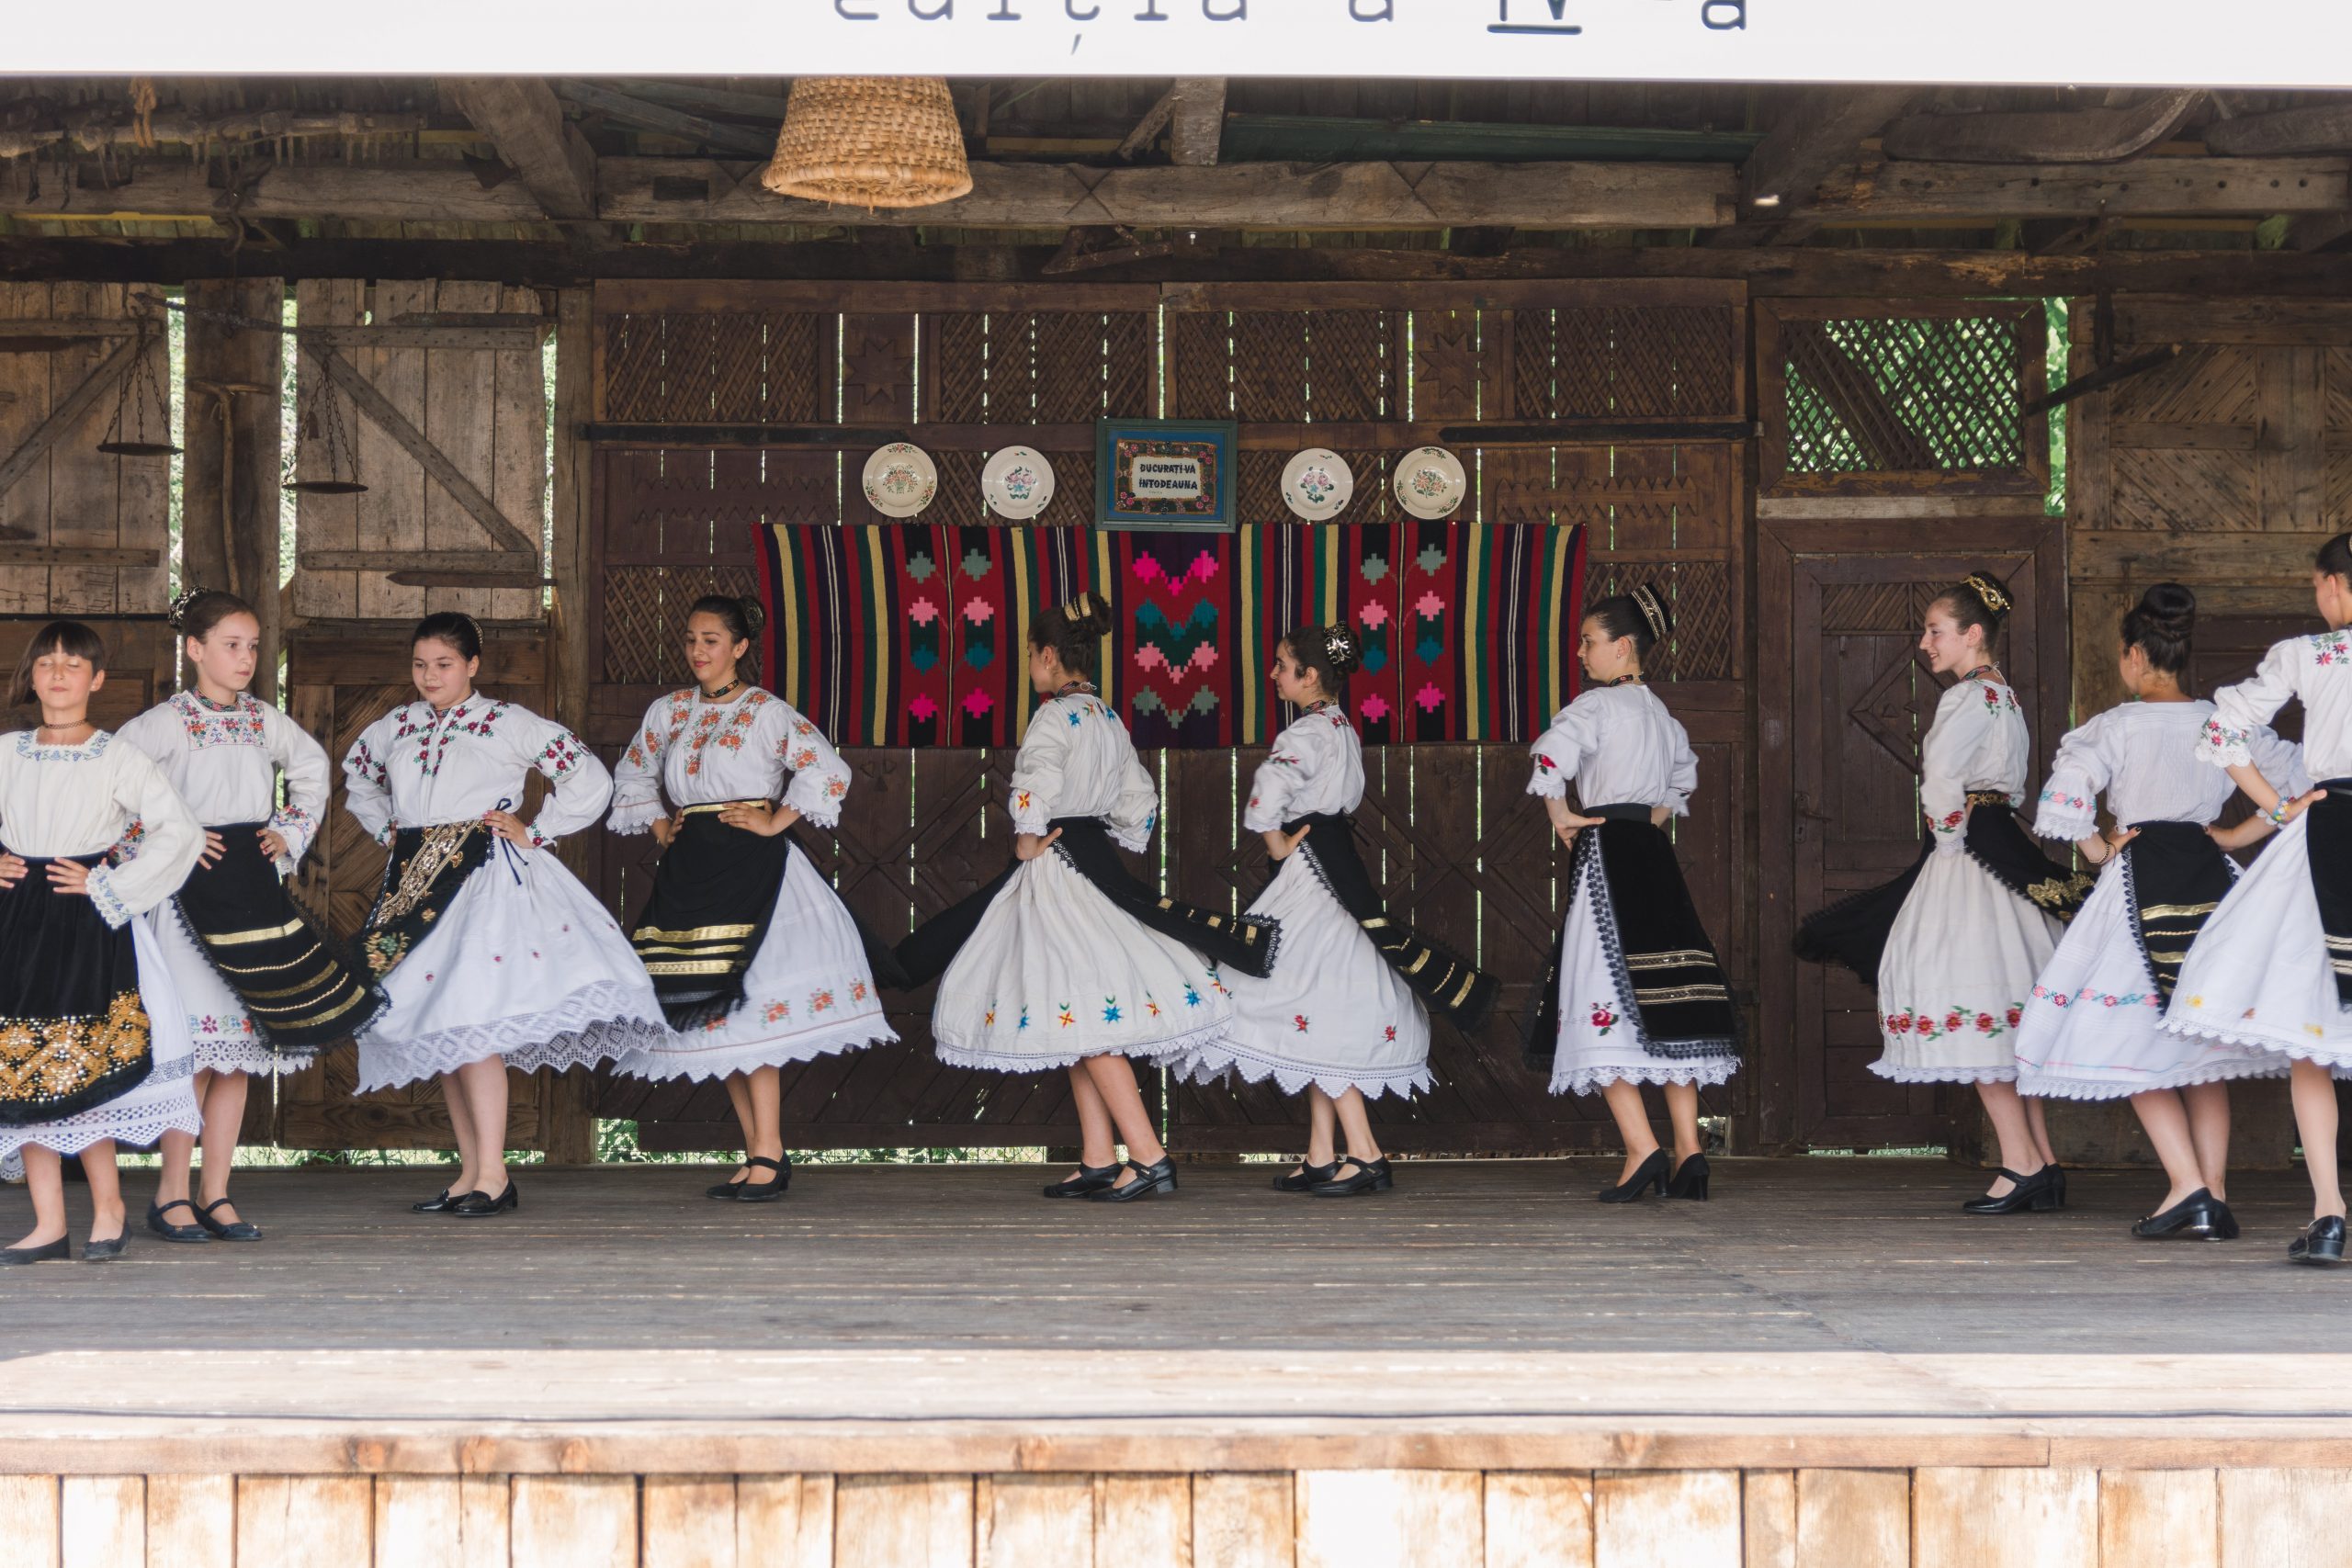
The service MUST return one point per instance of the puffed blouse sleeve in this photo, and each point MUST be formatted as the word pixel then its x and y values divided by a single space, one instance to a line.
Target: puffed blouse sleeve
pixel 1136 810
pixel 583 785
pixel 819 778
pixel 1037 769
pixel 170 841
pixel 2226 742
pixel 157 733
pixel 1299 754
pixel 2280 760
pixel 366 793
pixel 2068 805
pixel 637 777
pixel 1562 750
pixel 308 773
pixel 1963 719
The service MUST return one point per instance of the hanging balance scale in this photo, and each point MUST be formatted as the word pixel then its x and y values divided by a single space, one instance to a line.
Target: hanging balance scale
pixel 343 452
pixel 138 391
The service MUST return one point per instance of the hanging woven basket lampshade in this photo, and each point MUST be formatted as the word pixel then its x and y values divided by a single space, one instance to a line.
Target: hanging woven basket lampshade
pixel 870 141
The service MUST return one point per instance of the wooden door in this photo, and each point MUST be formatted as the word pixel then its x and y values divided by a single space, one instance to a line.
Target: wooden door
pixel 1845 698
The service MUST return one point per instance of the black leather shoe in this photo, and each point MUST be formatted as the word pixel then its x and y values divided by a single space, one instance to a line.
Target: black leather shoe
pixel 474 1205
pixel 2200 1216
pixel 1306 1177
pixel 439 1203
pixel 1089 1179
pixel 170 1232
pixel 227 1230
pixel 1689 1180
pixel 105 1251
pixel 2322 1242
pixel 724 1190
pixel 2057 1174
pixel 749 1191
pixel 1149 1179
pixel 1650 1173
pixel 57 1251
pixel 1368 1176
pixel 2036 1193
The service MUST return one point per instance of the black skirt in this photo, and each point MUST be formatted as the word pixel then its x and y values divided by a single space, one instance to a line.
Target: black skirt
pixel 1853 931
pixel 425 871
pixel 1659 949
pixel 2327 848
pixel 301 991
pixel 73 1033
pixel 2174 877
pixel 1244 943
pixel 1451 987
pixel 714 896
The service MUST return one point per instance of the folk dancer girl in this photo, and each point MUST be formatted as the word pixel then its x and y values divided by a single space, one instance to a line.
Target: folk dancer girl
pixel 1953 945
pixel 2271 975
pixel 1066 960
pixel 2092 1028
pixel 756 961
pixel 1343 1018
pixel 94 1049
pixel 258 977
pixel 1634 994
pixel 493 955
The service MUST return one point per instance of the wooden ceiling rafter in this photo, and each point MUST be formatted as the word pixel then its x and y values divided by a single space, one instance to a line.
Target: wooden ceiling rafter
pixel 523 121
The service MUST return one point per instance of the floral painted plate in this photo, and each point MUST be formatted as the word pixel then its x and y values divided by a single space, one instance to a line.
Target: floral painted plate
pixel 1018 482
pixel 1317 484
pixel 1429 482
pixel 901 479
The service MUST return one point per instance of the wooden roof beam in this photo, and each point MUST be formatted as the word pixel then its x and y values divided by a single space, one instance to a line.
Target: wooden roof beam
pixel 2066 136
pixel 524 120
pixel 1192 113
pixel 2314 127
pixel 1822 131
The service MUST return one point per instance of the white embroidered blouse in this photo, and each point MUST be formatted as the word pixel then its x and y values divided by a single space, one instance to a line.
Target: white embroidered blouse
pixel 1316 769
pixel 83 800
pixel 418 768
pixel 1621 746
pixel 2142 756
pixel 1978 744
pixel 225 761
pixel 1077 761
pixel 2317 668
pixel 696 752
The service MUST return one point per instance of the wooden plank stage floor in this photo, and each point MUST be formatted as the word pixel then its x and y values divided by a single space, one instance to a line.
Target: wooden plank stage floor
pixel 932 1365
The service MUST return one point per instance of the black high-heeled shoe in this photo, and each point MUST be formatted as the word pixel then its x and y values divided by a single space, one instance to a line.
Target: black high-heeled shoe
pixel 1089 1179
pixel 58 1251
pixel 437 1204
pixel 749 1191
pixel 1650 1173
pixel 2036 1193
pixel 2200 1216
pixel 227 1230
pixel 474 1205
pixel 2057 1182
pixel 1689 1180
pixel 1306 1177
pixel 1158 1177
pixel 170 1232
pixel 2322 1242
pixel 1369 1176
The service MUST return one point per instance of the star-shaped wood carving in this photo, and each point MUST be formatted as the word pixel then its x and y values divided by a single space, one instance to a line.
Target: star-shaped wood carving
pixel 879 375
pixel 1446 366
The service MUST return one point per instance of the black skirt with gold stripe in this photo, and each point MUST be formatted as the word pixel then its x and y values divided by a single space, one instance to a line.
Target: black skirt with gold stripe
pixel 2174 876
pixel 303 991
pixel 1452 986
pixel 713 897
pixel 73 1032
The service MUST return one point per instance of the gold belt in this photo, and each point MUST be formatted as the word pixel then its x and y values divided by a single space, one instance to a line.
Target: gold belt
pixel 720 806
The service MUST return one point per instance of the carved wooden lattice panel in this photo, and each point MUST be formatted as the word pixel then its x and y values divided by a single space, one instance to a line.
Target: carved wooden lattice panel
pixel 723 366
pixel 1626 362
pixel 1862 398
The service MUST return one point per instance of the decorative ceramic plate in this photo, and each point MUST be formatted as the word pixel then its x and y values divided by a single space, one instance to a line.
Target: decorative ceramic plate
pixel 901 479
pixel 1429 482
pixel 1018 482
pixel 1317 484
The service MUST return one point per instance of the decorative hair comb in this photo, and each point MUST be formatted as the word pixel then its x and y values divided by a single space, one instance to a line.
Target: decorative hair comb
pixel 178 614
pixel 1078 609
pixel 1996 599
pixel 1341 647
pixel 1645 600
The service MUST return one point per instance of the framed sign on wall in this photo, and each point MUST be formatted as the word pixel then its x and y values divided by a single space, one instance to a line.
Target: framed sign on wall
pixel 1164 473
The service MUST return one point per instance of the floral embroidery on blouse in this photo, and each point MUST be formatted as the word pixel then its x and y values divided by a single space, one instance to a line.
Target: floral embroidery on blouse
pixel 364 761
pixel 2331 648
pixel 90 750
pixel 1950 821
pixel 436 729
pixel 2060 797
pixel 1998 697
pixel 2219 744
pixel 2104 999
pixel 240 724
pixel 559 756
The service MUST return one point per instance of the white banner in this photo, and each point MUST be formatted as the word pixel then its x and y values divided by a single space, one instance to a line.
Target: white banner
pixel 2283 43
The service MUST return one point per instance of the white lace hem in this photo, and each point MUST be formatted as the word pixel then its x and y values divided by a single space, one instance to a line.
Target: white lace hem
pixel 235 1054
pixel 1168 1050
pixel 2338 1059
pixel 2066 822
pixel 70 1136
pixel 1703 1071
pixel 1944 1075
pixel 677 1057
pixel 1209 1063
pixel 591 1026
pixel 2045 1085
pixel 633 817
